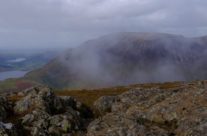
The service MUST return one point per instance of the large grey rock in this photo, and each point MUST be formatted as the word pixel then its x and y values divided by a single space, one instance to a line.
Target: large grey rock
pixel 113 124
pixel 155 112
pixel 39 98
pixel 47 114
pixel 67 122
pixel 41 123
pixel 104 104
pixel 43 98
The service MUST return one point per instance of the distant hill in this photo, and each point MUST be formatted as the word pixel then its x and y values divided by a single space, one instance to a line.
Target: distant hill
pixel 127 58
pixel 5 68
pixel 24 61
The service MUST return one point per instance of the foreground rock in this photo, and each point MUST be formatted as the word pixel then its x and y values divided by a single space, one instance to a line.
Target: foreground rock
pixel 143 111
pixel 103 105
pixel 42 113
pixel 154 112
pixel 9 129
pixel 40 98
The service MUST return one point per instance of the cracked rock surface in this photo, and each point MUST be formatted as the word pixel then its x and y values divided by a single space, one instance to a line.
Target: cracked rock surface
pixel 153 112
pixel 40 112
pixel 140 111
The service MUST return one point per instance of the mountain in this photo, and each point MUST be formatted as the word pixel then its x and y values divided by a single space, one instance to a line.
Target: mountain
pixel 126 58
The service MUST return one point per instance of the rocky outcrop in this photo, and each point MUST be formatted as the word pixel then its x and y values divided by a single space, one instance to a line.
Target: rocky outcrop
pixel 41 113
pixel 103 104
pixel 40 98
pixel 154 112
pixel 41 123
pixel 51 115
pixel 9 129
pixel 142 111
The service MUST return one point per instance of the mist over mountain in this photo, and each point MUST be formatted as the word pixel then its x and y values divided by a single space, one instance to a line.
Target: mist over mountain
pixel 127 58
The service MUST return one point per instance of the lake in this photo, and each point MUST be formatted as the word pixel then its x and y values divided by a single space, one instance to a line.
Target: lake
pixel 12 74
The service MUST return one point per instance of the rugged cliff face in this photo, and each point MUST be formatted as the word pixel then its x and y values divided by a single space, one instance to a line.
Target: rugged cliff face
pixel 127 58
pixel 169 109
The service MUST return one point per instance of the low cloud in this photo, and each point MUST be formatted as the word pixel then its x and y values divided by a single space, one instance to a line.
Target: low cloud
pixel 67 23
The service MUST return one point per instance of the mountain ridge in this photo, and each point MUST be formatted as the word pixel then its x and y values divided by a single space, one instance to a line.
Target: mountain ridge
pixel 126 58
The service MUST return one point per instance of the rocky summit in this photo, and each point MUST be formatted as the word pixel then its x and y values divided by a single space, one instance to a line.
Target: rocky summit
pixel 39 112
pixel 178 109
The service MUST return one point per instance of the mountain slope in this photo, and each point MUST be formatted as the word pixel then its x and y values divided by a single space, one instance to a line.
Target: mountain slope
pixel 127 58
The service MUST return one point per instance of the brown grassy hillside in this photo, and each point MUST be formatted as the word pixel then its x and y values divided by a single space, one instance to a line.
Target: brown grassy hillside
pixel 89 96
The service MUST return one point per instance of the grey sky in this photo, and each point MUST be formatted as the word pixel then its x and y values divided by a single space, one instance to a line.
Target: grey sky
pixel 66 23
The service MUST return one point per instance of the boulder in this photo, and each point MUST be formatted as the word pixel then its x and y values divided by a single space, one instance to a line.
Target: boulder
pixel 39 98
pixel 46 114
pixel 41 123
pixel 104 104
pixel 67 122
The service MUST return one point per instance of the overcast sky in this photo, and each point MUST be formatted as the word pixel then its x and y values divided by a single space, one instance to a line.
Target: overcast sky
pixel 67 23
